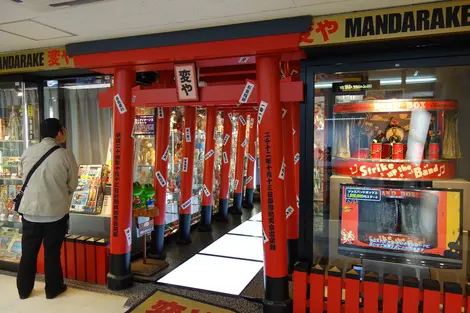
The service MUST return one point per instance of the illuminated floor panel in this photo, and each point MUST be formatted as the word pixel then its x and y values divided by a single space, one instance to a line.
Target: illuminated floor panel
pixel 233 246
pixel 249 228
pixel 212 273
pixel 256 218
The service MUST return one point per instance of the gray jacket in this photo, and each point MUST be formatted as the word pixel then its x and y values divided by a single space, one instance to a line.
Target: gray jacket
pixel 49 191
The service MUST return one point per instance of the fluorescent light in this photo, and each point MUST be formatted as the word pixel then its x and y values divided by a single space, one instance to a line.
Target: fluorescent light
pixel 241 247
pixel 89 86
pixel 387 81
pixel 417 80
pixel 249 228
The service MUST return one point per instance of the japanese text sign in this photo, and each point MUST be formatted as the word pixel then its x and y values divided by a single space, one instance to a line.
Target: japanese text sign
pixel 401 22
pixel 186 82
pixel 35 60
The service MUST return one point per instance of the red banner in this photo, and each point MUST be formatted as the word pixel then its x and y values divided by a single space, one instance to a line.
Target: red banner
pixel 395 170
pixel 375 106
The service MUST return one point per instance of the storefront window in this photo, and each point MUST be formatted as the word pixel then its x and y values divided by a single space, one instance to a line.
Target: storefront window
pixel 391 170
pixel 19 123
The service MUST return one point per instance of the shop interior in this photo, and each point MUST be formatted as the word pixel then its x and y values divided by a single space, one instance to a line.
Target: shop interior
pixel 391 174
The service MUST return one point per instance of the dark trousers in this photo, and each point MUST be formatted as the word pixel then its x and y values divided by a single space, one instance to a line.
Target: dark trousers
pixel 34 234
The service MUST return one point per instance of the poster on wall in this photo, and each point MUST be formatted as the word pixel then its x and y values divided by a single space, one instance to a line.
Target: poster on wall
pixel 144 125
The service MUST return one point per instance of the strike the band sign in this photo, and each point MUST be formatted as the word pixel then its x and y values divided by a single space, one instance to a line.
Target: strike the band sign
pixel 185 164
pixel 411 21
pixel 209 154
pixel 186 82
pixel 395 170
pixel 225 157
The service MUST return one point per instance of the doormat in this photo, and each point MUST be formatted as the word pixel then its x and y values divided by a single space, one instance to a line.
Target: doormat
pixel 162 302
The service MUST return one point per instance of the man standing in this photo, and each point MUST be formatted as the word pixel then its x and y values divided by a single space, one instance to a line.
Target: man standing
pixel 45 209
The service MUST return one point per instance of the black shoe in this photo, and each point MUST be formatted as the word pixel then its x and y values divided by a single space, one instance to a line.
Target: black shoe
pixel 24 297
pixel 52 295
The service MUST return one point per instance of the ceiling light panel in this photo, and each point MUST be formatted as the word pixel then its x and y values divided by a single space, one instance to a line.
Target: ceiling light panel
pixel 33 30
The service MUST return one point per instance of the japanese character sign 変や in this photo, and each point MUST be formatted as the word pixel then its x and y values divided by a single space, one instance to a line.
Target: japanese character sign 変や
pixel 186 82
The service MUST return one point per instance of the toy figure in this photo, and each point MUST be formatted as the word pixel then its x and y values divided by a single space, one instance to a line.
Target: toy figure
pixel 394 138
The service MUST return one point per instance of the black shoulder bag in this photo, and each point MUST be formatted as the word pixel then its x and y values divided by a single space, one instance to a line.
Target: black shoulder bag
pixel 19 196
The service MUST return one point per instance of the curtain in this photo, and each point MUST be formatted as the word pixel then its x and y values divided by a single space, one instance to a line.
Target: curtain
pixel 88 126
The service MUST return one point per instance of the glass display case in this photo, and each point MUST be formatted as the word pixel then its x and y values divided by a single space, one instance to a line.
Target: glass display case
pixel 19 128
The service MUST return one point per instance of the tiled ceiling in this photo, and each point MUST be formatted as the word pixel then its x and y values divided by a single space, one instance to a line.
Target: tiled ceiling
pixel 34 24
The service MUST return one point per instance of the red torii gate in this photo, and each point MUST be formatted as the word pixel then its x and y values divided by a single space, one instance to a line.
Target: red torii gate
pixel 264 54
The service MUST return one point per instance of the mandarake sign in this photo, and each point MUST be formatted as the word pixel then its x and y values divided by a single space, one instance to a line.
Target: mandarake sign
pixel 411 21
pixel 35 61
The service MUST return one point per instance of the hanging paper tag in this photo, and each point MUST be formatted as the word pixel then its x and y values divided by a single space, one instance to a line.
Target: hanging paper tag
pixel 128 233
pixel 284 112
pixel 252 122
pixel 226 138
pixel 242 120
pixel 119 104
pixel 160 179
pixel 161 113
pixel 207 193
pixel 293 132
pixel 236 184
pixel 165 154
pixel 225 157
pixel 293 72
pixel 265 238
pixel 209 154
pixel 296 158
pixel 187 132
pixel 230 116
pixel 215 133
pixel 247 92
pixel 298 202
pixel 248 180
pixel 243 59
pixel 289 211
pixel 283 170
pixel 133 131
pixel 133 99
pixel 186 204
pixel 250 157
pixel 244 143
pixel 185 164
pixel 262 109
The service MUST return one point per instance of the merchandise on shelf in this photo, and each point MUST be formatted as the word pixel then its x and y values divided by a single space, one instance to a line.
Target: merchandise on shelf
pixel 88 196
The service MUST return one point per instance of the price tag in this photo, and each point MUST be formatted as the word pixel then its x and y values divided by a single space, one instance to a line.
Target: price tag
pixel 226 138
pixel 296 158
pixel 187 132
pixel 119 104
pixel 165 154
pixel 160 179
pixel 161 113
pixel 206 191
pixel 262 109
pixel 251 158
pixel 209 154
pixel 185 164
pixel 225 157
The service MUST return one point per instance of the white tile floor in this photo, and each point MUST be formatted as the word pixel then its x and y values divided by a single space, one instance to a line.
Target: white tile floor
pixel 72 301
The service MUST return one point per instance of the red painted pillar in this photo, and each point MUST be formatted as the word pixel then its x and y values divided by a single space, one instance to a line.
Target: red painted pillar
pixel 189 139
pixel 225 170
pixel 251 167
pixel 272 185
pixel 242 142
pixel 120 276
pixel 162 147
pixel 292 210
pixel 209 160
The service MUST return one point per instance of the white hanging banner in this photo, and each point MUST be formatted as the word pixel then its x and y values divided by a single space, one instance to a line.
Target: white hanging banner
pixel 185 164
pixel 160 179
pixel 119 104
pixel 209 154
pixel 262 109
pixel 187 132
pixel 161 113
pixel 186 204
pixel 225 157
pixel 247 92
pixel 226 138
pixel 289 211
pixel 165 154
pixel 296 158
pixel 206 191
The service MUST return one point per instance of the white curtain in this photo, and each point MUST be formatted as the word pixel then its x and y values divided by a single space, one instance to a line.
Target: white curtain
pixel 88 126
